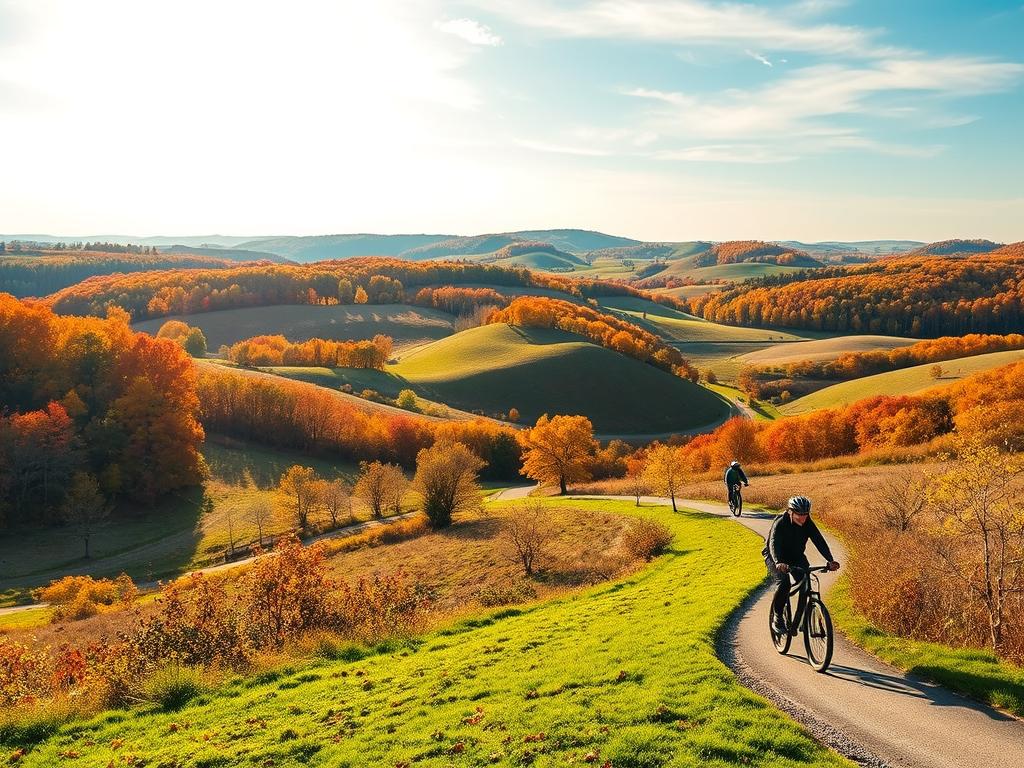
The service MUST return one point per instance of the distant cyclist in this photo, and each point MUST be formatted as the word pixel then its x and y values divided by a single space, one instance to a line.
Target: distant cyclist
pixel 784 550
pixel 733 477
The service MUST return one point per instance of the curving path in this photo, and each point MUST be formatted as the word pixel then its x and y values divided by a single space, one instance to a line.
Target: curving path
pixel 868 710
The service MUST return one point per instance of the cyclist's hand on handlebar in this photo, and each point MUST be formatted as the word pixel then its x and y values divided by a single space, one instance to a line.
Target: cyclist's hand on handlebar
pixel 747 485
pixel 834 565
pixel 782 568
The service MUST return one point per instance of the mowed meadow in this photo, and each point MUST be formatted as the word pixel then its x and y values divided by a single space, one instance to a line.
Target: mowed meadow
pixel 263 502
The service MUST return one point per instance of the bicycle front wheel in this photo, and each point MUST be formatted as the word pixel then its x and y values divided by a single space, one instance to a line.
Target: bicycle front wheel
pixel 737 506
pixel 818 636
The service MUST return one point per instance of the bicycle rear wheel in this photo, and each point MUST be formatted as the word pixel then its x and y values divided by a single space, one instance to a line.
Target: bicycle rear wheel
pixel 818 638
pixel 781 642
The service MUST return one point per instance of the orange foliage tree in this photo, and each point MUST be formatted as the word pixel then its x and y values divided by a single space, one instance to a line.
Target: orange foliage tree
pixel 88 395
pixel 277 350
pixel 559 450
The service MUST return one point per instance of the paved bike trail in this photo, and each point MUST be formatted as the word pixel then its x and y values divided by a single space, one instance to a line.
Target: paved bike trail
pixel 864 708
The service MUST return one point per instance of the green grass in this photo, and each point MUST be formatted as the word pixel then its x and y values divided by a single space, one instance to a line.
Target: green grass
pixel 906 381
pixel 36 617
pixel 674 325
pixel 763 411
pixel 405 324
pixel 824 349
pixel 497 367
pixel 735 272
pixel 627 670
pixel 975 672
pixel 186 530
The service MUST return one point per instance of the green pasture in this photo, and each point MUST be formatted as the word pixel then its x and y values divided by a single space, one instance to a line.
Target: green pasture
pixel 623 672
pixel 824 349
pixel 404 323
pixel 497 367
pixel 906 381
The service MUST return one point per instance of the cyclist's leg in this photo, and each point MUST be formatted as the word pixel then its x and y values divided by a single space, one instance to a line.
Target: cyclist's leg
pixel 782 587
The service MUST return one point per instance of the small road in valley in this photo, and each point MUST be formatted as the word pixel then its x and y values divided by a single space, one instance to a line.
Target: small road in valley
pixel 869 711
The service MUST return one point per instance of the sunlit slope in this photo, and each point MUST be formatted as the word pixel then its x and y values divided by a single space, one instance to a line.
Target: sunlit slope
pixel 673 325
pixel 405 324
pixel 824 349
pixel 907 381
pixel 497 367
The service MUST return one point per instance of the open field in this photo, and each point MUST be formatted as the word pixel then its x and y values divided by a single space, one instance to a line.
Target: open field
pixel 625 673
pixel 689 291
pixel 187 530
pixel 498 367
pixel 824 349
pixel 387 384
pixel 406 324
pixel 674 325
pixel 734 272
pixel 906 381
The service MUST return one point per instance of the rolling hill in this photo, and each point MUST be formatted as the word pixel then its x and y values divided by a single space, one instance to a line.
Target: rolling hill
pixel 823 349
pixel 497 367
pixel 730 261
pixel 948 247
pixel 321 247
pixel 407 325
pixel 534 255
pixel 676 326
pixel 906 381
pixel 571 240
pixel 232 254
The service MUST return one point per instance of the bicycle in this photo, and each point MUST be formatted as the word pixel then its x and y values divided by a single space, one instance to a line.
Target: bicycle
pixel 812 618
pixel 736 501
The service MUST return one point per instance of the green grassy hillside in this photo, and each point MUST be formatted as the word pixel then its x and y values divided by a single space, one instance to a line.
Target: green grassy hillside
pixel 907 381
pixel 405 324
pixel 674 325
pixel 498 367
pixel 625 673
pixel 824 349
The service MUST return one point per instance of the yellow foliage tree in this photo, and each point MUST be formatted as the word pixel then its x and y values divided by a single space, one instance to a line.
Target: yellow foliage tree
pixel 559 450
pixel 446 480
pixel 664 470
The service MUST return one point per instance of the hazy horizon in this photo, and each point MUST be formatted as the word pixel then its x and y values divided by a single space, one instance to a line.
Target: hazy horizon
pixel 808 119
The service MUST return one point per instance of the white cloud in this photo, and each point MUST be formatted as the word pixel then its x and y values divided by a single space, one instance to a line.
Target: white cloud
pixel 808 101
pixel 560 149
pixel 473 32
pixel 687 21
pixel 758 57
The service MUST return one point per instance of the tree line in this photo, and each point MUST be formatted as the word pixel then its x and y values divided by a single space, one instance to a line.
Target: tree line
pixel 51 271
pixel 90 405
pixel 277 350
pixel 922 296
pixel 765 381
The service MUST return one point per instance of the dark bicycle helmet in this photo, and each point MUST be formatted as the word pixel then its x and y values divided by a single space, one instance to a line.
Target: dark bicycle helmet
pixel 799 504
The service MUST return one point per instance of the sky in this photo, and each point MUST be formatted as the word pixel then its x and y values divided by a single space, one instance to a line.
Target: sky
pixel 665 121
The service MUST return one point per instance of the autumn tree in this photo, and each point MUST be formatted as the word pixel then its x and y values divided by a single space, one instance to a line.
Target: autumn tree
pixel 978 531
pixel 558 450
pixel 527 531
pixel 336 499
pixel 664 470
pixel 84 506
pixel 195 342
pixel 299 486
pixel 446 481
pixel 379 486
pixel 261 512
pixel 361 297
pixel 407 400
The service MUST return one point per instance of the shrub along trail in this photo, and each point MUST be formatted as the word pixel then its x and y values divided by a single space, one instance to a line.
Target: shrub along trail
pixel 624 672
pixel 863 707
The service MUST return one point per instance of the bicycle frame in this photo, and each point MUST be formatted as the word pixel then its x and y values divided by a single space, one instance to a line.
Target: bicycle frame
pixel 805 590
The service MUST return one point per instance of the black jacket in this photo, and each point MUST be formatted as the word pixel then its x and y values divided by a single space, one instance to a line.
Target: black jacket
pixel 787 541
pixel 734 475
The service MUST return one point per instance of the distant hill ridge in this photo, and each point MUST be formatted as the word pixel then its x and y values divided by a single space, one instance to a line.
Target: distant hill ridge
pixel 950 247
pixel 738 251
pixel 229 254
